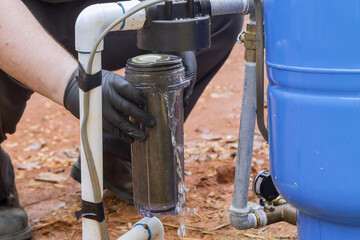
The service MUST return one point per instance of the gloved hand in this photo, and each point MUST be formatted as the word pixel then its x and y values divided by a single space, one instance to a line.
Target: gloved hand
pixel 119 100
pixel 190 65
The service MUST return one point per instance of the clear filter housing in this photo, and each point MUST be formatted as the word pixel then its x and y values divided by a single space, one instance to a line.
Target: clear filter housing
pixel 158 163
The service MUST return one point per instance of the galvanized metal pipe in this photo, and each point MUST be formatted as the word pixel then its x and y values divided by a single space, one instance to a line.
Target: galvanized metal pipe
pixel 240 216
pixel 246 138
pixel 223 7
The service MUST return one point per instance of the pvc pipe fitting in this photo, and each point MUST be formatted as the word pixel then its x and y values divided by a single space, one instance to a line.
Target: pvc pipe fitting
pixel 145 229
pixel 94 19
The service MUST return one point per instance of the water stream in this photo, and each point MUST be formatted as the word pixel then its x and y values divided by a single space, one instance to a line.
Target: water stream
pixel 176 127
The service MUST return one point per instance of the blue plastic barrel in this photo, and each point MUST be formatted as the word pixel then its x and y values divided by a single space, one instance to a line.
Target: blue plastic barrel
pixel 313 65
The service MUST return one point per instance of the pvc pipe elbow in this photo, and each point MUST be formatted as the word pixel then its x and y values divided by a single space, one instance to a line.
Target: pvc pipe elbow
pixel 94 19
pixel 146 228
pixel 91 22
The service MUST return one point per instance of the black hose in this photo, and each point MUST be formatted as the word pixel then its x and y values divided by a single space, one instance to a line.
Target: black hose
pixel 259 17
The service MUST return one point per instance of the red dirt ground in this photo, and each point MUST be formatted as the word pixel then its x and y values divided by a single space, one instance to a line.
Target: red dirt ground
pixel 47 140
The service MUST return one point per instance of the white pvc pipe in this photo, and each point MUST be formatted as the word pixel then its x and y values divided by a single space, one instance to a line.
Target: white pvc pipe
pixel 89 26
pixel 143 228
pixel 91 230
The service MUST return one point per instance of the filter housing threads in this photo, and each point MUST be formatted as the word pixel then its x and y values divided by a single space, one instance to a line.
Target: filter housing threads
pixel 158 162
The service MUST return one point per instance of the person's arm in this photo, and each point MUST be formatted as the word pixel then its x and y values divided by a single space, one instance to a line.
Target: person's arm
pixel 30 55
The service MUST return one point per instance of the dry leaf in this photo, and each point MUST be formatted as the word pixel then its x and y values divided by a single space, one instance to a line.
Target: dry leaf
pixel 129 225
pixel 202 158
pixel 34 184
pixel 221 226
pixel 60 170
pixel 213 156
pixel 212 174
pixel 122 228
pixel 233 146
pixel 210 137
pixel 12 145
pixel 35 146
pixel 212 194
pixel 221 95
pixel 257 145
pixel 187 173
pixel 49 177
pixel 72 152
pixel 27 165
pixel 253 236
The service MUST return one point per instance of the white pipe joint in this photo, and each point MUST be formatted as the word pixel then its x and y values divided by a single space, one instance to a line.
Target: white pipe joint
pixel 145 229
pixel 94 19
pixel 134 22
pixel 243 219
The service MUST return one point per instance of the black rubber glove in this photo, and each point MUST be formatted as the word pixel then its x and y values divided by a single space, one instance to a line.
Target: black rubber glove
pixel 119 100
pixel 190 65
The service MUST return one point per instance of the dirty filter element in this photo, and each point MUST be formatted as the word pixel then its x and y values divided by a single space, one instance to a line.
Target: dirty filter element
pixel 158 163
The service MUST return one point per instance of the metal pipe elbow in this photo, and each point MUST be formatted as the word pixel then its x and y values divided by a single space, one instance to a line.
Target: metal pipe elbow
pixel 243 219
